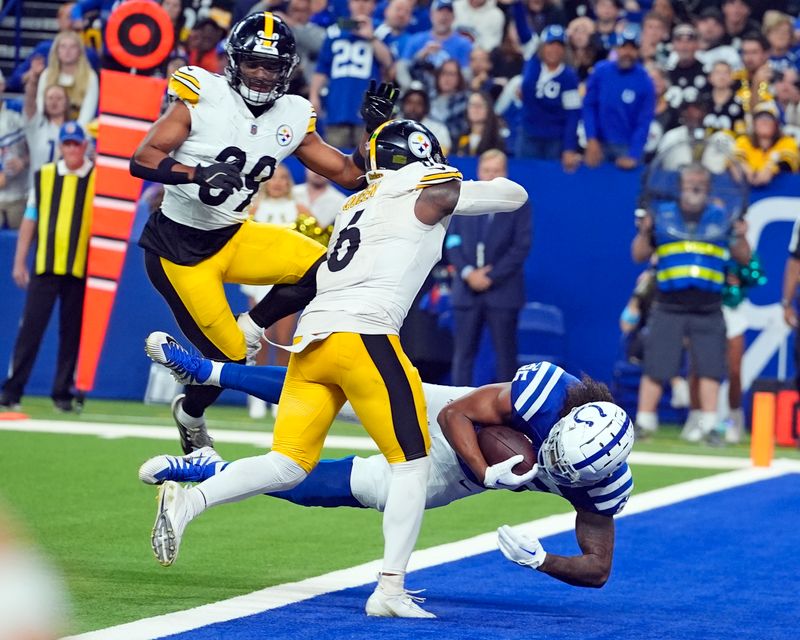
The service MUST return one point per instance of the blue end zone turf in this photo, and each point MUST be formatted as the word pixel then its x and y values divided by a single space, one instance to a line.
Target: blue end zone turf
pixel 720 566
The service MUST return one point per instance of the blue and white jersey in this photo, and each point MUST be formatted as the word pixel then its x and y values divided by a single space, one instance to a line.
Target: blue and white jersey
pixel 349 63
pixel 551 103
pixel 538 394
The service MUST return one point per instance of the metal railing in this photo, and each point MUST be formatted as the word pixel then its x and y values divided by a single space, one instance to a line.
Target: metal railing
pixel 16 7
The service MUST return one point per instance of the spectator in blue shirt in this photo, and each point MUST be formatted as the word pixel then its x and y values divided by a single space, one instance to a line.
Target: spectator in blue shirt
pixel 393 31
pixel 618 106
pixel 426 51
pixel 351 56
pixel 551 104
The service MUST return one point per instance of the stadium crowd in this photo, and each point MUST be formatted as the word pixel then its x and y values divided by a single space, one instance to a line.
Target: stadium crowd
pixel 564 80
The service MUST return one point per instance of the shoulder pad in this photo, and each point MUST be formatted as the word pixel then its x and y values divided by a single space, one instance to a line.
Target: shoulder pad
pixel 437 174
pixel 184 84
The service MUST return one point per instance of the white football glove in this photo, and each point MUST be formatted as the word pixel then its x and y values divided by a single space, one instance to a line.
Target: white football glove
pixel 501 476
pixel 524 551
pixel 252 335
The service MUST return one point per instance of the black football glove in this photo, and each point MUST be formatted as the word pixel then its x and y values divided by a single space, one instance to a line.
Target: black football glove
pixel 220 175
pixel 378 104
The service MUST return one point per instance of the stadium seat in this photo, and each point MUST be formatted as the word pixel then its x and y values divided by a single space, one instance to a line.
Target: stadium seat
pixel 541 334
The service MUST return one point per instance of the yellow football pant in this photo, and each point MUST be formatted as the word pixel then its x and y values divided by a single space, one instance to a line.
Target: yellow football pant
pixel 259 253
pixel 375 375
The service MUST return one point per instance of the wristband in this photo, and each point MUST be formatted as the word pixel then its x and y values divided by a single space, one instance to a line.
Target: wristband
pixel 629 316
pixel 786 303
pixel 163 173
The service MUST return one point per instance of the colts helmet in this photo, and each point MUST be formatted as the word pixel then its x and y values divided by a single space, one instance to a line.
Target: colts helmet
pixel 587 445
pixel 398 143
pixel 264 39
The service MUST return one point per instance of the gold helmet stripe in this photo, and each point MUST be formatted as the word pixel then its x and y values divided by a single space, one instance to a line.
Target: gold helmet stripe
pixel 269 25
pixel 373 141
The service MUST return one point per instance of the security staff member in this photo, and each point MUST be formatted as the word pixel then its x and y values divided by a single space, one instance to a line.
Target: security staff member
pixel 59 215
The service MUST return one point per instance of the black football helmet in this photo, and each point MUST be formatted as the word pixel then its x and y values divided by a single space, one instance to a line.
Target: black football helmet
pixel 397 143
pixel 262 55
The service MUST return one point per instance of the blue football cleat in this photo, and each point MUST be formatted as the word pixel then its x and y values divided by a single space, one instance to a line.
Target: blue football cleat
pixel 199 465
pixel 186 368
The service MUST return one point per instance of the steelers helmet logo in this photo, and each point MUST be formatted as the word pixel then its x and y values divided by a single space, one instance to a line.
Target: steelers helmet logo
pixel 419 144
pixel 284 135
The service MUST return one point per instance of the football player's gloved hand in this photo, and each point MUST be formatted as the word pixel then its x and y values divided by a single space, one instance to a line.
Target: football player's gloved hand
pixel 252 335
pixel 378 104
pixel 525 551
pixel 219 175
pixel 501 476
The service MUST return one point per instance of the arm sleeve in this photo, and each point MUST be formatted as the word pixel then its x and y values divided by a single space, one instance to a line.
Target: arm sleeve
pixel 514 257
pixel 590 101
pixel 643 120
pixel 325 59
pixel 495 196
pixel 520 12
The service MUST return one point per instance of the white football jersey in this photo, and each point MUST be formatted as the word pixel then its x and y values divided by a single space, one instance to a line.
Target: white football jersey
pixel 224 130
pixel 378 257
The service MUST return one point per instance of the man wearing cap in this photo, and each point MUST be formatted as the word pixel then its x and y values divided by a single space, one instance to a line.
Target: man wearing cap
pixel 59 215
pixel 686 75
pixel 550 104
pixel 441 42
pixel 619 106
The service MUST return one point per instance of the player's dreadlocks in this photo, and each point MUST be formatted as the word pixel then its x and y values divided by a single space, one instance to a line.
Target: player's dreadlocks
pixel 587 390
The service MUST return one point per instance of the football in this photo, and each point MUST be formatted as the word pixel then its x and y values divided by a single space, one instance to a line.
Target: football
pixel 500 443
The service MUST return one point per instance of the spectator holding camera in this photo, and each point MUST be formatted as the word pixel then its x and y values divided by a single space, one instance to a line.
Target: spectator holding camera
pixel 691 239
pixel 766 151
pixel 618 107
pixel 551 104
pixel 351 56
pixel 433 48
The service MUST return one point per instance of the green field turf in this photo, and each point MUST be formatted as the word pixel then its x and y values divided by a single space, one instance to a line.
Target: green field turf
pixel 81 500
pixel 235 417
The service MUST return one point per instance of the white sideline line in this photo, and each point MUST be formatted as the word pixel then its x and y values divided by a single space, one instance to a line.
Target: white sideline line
pixel 284 594
pixel 351 443
pixel 113 431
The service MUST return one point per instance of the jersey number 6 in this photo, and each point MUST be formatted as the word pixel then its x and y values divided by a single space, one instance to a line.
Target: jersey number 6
pixel 352 234
pixel 238 158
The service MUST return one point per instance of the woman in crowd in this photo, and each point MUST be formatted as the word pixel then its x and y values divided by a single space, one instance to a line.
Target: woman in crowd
pixel 68 67
pixel 766 151
pixel 41 127
pixel 581 49
pixel 483 130
pixel 449 102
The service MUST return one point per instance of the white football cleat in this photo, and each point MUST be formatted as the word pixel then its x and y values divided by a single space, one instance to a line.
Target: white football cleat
pixel 401 605
pixel 171 520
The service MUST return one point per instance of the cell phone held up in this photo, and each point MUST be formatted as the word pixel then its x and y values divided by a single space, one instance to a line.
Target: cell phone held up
pixel 348 24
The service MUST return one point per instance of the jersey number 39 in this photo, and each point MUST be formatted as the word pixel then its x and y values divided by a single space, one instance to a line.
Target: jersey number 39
pixel 238 158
